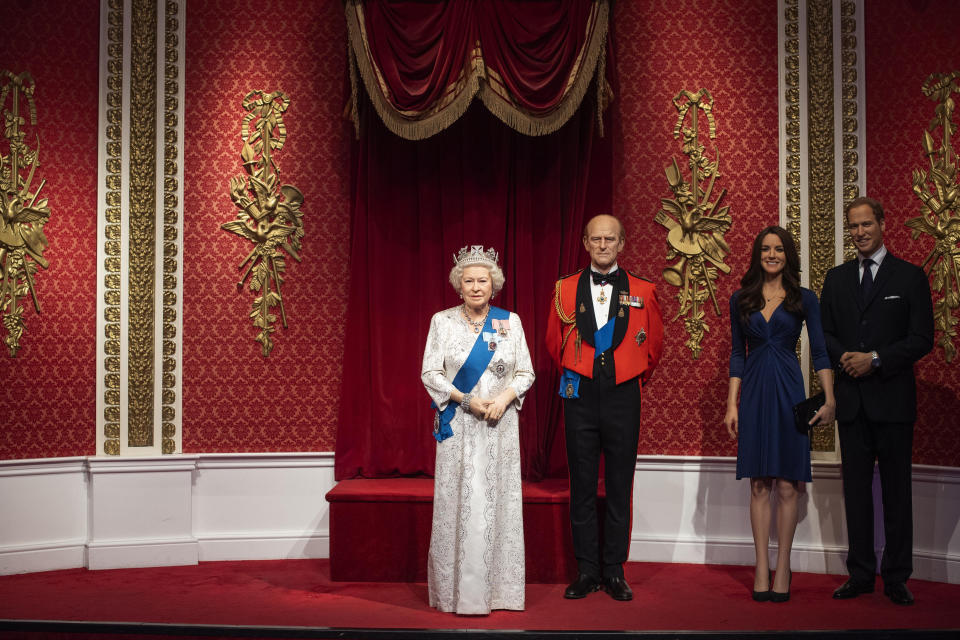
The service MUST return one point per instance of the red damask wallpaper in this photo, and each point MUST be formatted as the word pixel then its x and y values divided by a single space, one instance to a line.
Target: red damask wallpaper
pixel 235 400
pixel 905 43
pixel 663 47
pixel 48 392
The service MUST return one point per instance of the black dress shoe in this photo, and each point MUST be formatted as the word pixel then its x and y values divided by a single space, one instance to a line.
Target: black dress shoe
pixel 617 588
pixel 852 589
pixel 898 593
pixel 583 585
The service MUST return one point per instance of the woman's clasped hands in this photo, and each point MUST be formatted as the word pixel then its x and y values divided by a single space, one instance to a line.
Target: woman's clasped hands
pixel 492 409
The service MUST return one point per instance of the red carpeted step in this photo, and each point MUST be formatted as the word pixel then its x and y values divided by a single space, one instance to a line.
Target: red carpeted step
pixel 380 530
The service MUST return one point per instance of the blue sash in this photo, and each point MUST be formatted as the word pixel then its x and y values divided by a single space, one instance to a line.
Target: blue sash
pixel 570 380
pixel 468 375
pixel 603 339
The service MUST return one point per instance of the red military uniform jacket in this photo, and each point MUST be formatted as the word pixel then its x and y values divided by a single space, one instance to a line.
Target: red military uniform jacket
pixel 638 332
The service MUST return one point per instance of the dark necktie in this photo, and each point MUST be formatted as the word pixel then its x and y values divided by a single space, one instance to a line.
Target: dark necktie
pixel 605 278
pixel 866 282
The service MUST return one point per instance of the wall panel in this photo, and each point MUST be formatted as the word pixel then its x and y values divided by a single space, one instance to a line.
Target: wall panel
pixel 234 399
pixel 662 48
pixel 905 43
pixel 47 393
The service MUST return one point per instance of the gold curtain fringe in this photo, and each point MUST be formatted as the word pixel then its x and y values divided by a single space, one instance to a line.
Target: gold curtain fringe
pixel 354 93
pixel 425 126
pixel 532 125
pixel 603 87
pixel 394 120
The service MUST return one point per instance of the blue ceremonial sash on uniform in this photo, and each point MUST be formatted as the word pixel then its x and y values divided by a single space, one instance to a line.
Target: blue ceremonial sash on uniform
pixel 570 380
pixel 603 339
pixel 468 375
pixel 569 384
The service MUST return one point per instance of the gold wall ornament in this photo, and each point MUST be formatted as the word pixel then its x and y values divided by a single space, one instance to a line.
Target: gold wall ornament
pixel 939 191
pixel 268 215
pixel 22 214
pixel 695 224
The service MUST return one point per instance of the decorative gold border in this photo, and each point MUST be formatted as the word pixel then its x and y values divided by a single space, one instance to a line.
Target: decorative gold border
pixel 460 94
pixel 142 223
pixel 114 198
pixel 170 225
pixel 791 33
pixel 820 159
pixel 820 165
pixel 851 133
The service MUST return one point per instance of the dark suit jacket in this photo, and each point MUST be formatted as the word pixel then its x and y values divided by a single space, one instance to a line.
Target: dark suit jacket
pixel 896 321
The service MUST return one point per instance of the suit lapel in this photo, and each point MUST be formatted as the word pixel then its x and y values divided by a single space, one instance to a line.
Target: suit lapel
pixel 586 320
pixel 621 286
pixel 887 267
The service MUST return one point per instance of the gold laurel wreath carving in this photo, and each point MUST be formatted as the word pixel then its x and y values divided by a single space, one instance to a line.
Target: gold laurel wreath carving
pixel 268 213
pixel 695 224
pixel 939 193
pixel 22 214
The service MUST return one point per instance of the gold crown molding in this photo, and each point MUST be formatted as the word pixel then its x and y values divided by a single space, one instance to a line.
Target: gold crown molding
pixel 821 167
pixel 171 202
pixel 142 222
pixel 850 116
pixel 695 225
pixel 113 171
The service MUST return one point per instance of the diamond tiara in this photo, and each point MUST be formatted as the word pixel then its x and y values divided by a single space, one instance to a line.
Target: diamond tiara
pixel 475 255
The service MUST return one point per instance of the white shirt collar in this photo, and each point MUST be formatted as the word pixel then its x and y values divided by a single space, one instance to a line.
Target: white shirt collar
pixel 877 256
pixel 613 267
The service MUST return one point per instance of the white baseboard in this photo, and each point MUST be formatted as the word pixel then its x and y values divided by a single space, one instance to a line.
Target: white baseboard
pixel 142 553
pixel 265 546
pixel 50 556
pixel 136 512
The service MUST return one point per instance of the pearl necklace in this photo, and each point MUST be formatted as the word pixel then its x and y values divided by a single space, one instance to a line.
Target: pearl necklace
pixel 479 323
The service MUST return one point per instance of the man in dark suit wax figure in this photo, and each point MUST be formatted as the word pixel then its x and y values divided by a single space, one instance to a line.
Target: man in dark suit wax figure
pixel 878 322
pixel 606 335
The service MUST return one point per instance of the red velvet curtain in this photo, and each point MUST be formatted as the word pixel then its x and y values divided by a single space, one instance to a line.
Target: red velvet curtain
pixel 422 63
pixel 415 205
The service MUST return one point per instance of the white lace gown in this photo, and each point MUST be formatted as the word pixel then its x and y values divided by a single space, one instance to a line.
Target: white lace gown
pixel 476 560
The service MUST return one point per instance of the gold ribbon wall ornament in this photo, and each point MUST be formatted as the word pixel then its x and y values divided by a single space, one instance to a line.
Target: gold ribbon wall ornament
pixel 694 220
pixel 22 214
pixel 939 191
pixel 268 213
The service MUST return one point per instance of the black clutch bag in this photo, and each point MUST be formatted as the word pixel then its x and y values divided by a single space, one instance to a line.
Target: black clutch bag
pixel 804 411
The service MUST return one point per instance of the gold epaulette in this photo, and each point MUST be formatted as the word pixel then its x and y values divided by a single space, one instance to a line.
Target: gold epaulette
pixel 569 320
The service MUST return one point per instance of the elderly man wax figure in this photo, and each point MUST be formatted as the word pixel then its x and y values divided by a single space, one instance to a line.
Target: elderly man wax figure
pixel 606 335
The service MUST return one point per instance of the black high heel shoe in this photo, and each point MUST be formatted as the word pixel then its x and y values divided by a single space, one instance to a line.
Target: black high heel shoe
pixel 776 596
pixel 764 596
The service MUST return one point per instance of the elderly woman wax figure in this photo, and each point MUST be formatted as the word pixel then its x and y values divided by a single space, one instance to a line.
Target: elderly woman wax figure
pixel 476 368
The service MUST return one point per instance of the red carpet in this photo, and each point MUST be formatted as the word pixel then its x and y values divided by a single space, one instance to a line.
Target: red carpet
pixel 299 593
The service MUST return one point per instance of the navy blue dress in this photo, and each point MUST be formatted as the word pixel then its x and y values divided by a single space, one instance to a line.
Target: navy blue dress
pixel 763 356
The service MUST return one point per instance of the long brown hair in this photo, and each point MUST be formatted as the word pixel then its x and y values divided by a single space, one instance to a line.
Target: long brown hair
pixel 751 284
